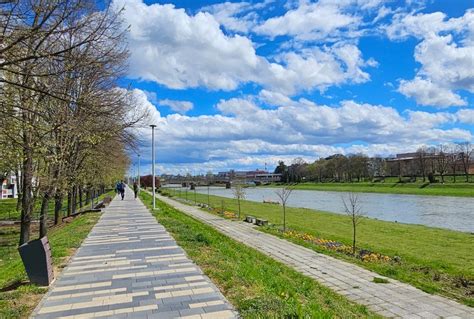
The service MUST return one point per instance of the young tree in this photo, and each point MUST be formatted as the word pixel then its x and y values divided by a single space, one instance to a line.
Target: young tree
pixel 239 194
pixel 284 194
pixel 353 209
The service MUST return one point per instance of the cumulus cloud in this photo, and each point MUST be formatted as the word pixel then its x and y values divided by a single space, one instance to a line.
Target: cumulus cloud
pixel 446 55
pixel 247 135
pixel 466 116
pixel 178 50
pixel 314 21
pixel 177 106
pixel 172 48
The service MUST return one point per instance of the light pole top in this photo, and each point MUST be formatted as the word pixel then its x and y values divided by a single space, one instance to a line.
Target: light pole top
pixel 152 125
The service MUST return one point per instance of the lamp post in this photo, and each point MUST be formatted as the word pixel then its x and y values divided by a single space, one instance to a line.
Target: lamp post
pixel 138 173
pixel 153 161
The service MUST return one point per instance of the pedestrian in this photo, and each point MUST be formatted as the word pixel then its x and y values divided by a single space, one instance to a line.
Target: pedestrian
pixel 135 189
pixel 121 189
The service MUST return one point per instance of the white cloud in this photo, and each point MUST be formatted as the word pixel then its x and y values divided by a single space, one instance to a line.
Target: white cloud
pixel 172 48
pixel 466 116
pixel 180 51
pixel 246 135
pixel 235 16
pixel 446 55
pixel 311 21
pixel 428 93
pixel 177 106
pixel 318 68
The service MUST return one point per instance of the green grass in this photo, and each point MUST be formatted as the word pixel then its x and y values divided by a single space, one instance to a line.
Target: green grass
pixel 393 187
pixel 258 286
pixel 8 208
pixel 20 301
pixel 17 297
pixel 435 260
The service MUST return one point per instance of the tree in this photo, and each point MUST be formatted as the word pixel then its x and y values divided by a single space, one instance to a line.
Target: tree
pixel 284 194
pixel 353 209
pixel 466 151
pixel 422 158
pixel 442 160
pixel 239 194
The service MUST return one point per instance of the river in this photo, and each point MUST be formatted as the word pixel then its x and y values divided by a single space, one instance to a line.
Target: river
pixel 456 213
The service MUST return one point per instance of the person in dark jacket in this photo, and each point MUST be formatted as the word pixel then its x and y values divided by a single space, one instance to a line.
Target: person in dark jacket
pixel 135 189
pixel 121 189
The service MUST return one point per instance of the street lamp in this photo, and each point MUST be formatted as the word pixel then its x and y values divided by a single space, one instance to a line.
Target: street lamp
pixel 138 173
pixel 153 161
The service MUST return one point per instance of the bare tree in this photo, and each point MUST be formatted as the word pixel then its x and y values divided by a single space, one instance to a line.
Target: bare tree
pixel 422 156
pixel 442 159
pixel 284 194
pixel 353 209
pixel 466 151
pixel 239 194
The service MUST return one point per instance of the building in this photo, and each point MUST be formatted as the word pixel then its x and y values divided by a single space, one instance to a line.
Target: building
pixel 9 188
pixel 249 176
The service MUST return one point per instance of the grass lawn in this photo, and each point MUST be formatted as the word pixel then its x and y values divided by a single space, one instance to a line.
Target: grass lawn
pixel 417 188
pixel 255 284
pixel 392 186
pixel 435 260
pixel 17 297
pixel 8 208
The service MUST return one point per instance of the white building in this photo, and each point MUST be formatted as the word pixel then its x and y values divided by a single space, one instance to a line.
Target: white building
pixel 9 188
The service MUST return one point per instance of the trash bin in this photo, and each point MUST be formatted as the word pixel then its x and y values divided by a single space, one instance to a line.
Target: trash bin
pixel 36 257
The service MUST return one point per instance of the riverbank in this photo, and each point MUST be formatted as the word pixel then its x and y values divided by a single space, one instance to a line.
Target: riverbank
pixel 392 187
pixel 257 285
pixel 435 260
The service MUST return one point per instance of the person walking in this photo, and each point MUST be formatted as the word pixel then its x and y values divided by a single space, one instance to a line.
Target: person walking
pixel 135 189
pixel 121 189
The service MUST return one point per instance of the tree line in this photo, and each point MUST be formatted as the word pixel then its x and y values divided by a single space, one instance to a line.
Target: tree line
pixel 426 163
pixel 65 125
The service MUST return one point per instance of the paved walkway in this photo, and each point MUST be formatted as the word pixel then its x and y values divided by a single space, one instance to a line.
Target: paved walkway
pixel 394 299
pixel 130 267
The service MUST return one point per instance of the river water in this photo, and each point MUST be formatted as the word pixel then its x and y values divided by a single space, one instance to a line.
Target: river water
pixel 456 213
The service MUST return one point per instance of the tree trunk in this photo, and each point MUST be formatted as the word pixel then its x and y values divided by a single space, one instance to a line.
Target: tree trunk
pixel 353 238
pixel 27 190
pixel 80 196
pixel 69 202
pixel 58 205
pixel 284 218
pixel 74 199
pixel 44 215
pixel 18 189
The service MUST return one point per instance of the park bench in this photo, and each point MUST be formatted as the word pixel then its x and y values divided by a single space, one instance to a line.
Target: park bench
pixel 250 219
pixel 261 222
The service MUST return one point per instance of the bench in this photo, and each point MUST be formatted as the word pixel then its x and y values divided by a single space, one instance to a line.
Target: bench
pixel 261 222
pixel 250 219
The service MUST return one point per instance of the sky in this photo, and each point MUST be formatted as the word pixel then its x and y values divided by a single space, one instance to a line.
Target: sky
pixel 242 85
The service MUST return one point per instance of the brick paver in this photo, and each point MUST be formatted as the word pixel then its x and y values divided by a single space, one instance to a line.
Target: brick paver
pixel 130 267
pixel 394 299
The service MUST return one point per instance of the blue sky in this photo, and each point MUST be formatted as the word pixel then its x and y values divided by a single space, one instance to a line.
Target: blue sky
pixel 235 85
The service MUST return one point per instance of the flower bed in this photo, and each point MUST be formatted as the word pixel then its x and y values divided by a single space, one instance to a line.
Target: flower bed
pixel 363 254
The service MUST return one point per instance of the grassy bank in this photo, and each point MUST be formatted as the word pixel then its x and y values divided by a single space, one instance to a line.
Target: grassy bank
pixel 256 285
pixel 17 297
pixel 393 187
pixel 8 208
pixel 435 260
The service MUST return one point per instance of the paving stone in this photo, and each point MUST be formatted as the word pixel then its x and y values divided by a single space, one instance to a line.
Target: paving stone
pixel 118 266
